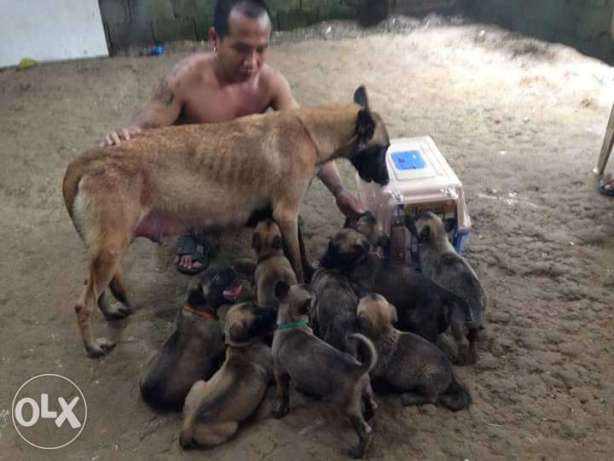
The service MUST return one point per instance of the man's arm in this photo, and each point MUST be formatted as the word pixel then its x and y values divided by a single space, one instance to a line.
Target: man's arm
pixel 329 173
pixel 162 110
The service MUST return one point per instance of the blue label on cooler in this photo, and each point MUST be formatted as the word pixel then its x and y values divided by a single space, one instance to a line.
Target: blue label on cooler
pixel 408 160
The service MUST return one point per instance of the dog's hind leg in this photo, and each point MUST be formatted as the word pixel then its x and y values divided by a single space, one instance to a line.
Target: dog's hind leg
pixel 211 434
pixel 288 223
pixel 417 398
pixel 459 333
pixel 121 309
pixel 363 430
pixel 103 266
pixel 368 400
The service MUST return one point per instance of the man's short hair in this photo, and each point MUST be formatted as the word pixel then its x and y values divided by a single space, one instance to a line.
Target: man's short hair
pixel 251 8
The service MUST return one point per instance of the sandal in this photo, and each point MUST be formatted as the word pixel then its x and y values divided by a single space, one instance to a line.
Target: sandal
pixel 196 246
pixel 606 186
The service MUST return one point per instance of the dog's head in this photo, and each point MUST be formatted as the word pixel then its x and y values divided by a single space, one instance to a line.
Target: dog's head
pixel 267 238
pixel 375 315
pixel 297 300
pixel 346 249
pixel 214 288
pixel 428 227
pixel 366 224
pixel 372 141
pixel 246 323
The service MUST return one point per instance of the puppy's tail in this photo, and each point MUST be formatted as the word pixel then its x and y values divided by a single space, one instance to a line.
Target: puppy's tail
pixel 456 397
pixel 366 351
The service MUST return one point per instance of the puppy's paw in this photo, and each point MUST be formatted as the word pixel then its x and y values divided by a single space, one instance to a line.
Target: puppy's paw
pixel 102 346
pixel 280 408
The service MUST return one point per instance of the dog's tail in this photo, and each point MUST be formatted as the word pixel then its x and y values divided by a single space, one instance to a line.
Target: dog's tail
pixel 366 351
pixel 456 397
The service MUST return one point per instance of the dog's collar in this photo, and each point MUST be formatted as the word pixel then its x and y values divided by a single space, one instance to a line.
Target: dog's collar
pixel 203 313
pixel 291 325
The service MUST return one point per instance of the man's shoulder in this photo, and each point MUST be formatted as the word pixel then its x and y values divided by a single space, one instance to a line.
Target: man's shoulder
pixel 194 64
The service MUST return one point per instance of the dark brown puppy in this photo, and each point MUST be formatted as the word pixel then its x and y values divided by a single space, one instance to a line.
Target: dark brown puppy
pixel 366 224
pixel 440 262
pixel 407 361
pixel 333 314
pixel 208 176
pixel 214 409
pixel 322 370
pixel 272 266
pixel 195 347
pixel 423 307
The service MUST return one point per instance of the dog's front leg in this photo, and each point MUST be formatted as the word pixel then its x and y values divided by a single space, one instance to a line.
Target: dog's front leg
pixel 282 397
pixel 288 223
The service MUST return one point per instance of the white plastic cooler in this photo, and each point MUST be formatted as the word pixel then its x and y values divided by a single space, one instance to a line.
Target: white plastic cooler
pixel 420 180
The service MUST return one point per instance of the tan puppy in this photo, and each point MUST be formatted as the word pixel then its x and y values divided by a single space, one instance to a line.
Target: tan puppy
pixel 318 368
pixel 272 267
pixel 408 362
pixel 214 409
pixel 208 176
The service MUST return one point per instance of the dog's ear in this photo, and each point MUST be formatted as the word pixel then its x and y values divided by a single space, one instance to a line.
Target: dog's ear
pixel 196 294
pixel 425 234
pixel 349 222
pixel 256 242
pixel 361 98
pixel 365 127
pixel 394 318
pixel 281 291
pixel 238 332
pixel 309 300
pixel 277 243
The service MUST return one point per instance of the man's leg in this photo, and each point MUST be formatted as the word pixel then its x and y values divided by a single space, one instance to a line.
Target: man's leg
pixel 606 185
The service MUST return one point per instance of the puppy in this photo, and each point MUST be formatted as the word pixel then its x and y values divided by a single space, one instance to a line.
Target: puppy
pixel 333 314
pixel 440 262
pixel 196 345
pixel 423 307
pixel 214 409
pixel 322 369
pixel 366 224
pixel 407 361
pixel 272 267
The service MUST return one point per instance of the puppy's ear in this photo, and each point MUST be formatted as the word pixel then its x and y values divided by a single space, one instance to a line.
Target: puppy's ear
pixel 196 294
pixel 256 242
pixel 238 332
pixel 361 98
pixel 425 234
pixel 349 223
pixel 281 291
pixel 394 318
pixel 277 243
pixel 365 127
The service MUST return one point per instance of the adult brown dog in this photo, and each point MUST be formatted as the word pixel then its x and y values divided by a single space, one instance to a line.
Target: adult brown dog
pixel 206 177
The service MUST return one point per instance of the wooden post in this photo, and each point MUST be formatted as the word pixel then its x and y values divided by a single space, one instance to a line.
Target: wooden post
pixel 606 148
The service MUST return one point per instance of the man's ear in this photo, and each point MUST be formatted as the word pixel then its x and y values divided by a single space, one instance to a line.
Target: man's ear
pixel 277 244
pixel 361 98
pixel 365 126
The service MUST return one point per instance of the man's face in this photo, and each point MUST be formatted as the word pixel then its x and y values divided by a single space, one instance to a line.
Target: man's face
pixel 242 51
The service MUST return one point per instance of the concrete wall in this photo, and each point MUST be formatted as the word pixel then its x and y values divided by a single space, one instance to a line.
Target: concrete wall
pixel 584 24
pixel 49 30
pixel 142 22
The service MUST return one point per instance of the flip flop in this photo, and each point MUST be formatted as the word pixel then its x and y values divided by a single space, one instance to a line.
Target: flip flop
pixel 606 186
pixel 195 246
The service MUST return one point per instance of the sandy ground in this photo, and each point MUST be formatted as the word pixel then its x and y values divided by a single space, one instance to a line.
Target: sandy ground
pixel 520 121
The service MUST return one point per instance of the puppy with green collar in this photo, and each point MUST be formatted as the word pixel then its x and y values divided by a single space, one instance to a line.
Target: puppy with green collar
pixel 318 368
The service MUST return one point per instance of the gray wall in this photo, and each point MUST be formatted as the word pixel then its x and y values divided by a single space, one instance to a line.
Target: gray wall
pixel 143 22
pixel 583 24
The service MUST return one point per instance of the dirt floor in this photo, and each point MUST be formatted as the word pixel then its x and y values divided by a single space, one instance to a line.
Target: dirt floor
pixel 520 121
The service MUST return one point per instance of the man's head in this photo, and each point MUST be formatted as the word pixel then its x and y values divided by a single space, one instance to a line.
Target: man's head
pixel 240 34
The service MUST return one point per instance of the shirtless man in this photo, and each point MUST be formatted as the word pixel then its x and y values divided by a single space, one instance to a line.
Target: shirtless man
pixel 230 82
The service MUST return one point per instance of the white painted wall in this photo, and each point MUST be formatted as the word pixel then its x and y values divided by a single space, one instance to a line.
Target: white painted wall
pixel 50 30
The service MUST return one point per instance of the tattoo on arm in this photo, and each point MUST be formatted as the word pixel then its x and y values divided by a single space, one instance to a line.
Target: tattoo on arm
pixel 164 94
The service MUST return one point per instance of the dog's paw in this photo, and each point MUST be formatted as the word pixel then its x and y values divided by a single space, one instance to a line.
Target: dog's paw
pixel 280 408
pixel 116 311
pixel 101 346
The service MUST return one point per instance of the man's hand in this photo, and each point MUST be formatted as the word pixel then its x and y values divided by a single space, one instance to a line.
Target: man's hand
pixel 349 205
pixel 115 138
